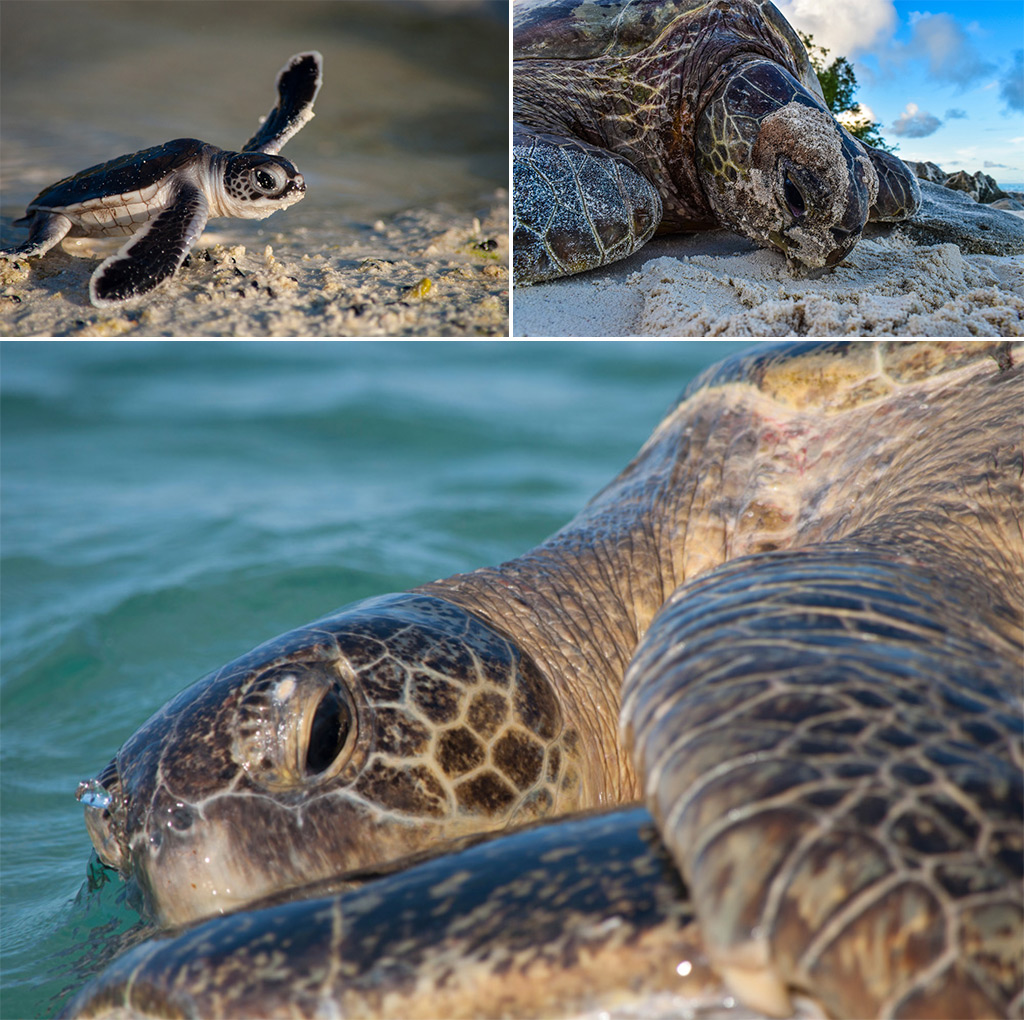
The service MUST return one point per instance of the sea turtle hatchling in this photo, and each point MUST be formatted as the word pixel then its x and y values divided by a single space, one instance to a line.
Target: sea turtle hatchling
pixel 163 196
pixel 639 116
pixel 792 625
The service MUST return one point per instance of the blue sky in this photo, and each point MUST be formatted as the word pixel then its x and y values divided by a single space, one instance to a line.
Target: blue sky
pixel 944 77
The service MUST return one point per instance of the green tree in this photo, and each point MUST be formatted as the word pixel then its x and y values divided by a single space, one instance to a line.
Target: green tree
pixel 838 83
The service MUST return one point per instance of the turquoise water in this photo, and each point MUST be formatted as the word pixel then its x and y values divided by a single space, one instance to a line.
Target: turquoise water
pixel 166 506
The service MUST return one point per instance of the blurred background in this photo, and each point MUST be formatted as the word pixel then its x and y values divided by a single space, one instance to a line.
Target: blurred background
pixel 413 110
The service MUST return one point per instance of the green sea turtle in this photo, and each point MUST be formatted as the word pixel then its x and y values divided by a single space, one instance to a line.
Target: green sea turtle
pixel 641 116
pixel 162 197
pixel 800 606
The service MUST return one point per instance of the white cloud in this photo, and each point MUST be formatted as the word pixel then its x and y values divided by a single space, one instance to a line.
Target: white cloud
pixel 915 123
pixel 846 118
pixel 941 41
pixel 843 28
pixel 1012 84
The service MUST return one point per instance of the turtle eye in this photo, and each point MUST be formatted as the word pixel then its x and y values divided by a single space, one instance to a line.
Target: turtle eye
pixel 266 180
pixel 794 197
pixel 328 733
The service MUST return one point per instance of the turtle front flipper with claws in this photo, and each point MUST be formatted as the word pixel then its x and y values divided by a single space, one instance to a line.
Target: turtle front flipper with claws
pixel 640 116
pixel 162 197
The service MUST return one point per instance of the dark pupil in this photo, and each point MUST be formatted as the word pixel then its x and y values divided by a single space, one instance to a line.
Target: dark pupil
pixel 265 181
pixel 794 199
pixel 328 733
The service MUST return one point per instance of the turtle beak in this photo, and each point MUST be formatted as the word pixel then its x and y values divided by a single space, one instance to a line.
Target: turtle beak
pixel 296 184
pixel 102 800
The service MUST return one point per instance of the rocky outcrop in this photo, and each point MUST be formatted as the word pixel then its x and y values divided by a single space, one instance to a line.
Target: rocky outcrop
pixel 949 216
pixel 980 187
pixel 928 172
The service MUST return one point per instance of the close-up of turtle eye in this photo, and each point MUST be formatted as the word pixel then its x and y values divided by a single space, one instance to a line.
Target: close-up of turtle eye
pixel 328 733
pixel 265 181
pixel 793 196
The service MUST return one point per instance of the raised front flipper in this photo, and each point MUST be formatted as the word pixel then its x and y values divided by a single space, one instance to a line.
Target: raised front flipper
pixel 899 194
pixel 575 207
pixel 298 83
pixel 831 747
pixel 154 253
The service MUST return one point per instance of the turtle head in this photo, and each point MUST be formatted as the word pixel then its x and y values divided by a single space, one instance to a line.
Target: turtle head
pixel 777 168
pixel 255 184
pixel 392 725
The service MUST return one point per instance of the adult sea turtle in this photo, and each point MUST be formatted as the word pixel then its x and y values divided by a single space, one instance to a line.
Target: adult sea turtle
pixel 162 197
pixel 641 116
pixel 792 625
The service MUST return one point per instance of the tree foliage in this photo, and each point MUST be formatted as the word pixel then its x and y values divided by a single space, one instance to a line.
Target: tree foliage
pixel 838 83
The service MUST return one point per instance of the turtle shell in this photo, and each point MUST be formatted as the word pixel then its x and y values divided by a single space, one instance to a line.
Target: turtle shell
pixel 120 176
pixel 586 29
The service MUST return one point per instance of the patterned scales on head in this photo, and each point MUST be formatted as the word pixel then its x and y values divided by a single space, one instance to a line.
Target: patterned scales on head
pixel 792 625
pixel 643 116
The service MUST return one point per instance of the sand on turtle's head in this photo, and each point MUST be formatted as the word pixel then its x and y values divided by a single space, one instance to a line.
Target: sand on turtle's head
pixel 778 168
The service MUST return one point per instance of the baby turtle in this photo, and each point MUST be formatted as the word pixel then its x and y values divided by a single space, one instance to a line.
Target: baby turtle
pixel 641 116
pixel 161 197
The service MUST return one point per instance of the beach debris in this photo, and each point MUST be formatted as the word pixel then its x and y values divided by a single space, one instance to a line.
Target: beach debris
pixel 162 197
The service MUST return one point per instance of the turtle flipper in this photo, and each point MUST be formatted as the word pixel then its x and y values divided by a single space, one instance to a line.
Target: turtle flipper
pixel 844 828
pixel 575 207
pixel 46 229
pixel 899 194
pixel 152 254
pixel 298 83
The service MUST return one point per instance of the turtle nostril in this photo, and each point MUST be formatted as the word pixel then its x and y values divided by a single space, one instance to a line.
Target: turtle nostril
pixel 794 198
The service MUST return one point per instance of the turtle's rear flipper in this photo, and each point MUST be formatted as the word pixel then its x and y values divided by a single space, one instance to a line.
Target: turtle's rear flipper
pixel 154 253
pixel 297 85
pixel 899 194
pixel 45 230
pixel 575 207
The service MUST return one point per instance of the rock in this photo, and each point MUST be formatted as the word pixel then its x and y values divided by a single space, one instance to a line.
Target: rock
pixel 1008 204
pixel 950 216
pixel 980 187
pixel 928 172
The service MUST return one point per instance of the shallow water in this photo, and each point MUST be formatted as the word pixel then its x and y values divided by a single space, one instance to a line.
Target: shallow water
pixel 167 506
pixel 413 110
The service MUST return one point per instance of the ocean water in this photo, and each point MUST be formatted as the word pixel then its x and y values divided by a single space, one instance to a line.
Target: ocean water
pixel 167 506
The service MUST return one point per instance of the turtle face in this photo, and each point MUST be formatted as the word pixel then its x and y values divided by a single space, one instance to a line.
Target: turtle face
pixel 373 733
pixel 778 169
pixel 255 184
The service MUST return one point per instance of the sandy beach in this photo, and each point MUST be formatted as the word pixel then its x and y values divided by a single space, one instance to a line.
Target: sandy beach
pixel 426 272
pixel 910 280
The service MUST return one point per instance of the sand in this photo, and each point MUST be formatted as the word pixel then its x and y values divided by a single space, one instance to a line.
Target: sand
pixel 427 272
pixel 910 280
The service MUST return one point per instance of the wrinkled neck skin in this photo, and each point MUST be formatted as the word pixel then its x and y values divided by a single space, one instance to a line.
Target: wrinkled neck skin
pixel 645 106
pixel 746 475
